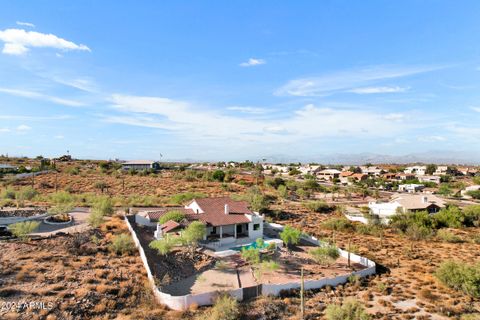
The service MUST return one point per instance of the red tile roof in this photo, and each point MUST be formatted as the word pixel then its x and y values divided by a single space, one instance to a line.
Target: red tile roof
pixel 214 211
pixel 169 226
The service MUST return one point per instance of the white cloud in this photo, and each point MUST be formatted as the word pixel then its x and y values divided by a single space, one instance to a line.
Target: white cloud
pixel 346 80
pixel 250 110
pixel 196 123
pixel 25 24
pixel 395 117
pixel 431 138
pixel 23 127
pixel 59 137
pixel 18 42
pixel 41 96
pixel 252 62
pixel 476 109
pixel 4 130
pixel 373 90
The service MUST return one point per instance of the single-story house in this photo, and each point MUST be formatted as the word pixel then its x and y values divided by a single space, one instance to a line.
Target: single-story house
pixel 411 187
pixel 405 176
pixel 226 220
pixel 416 170
pixel 7 168
pixel 139 165
pixel 435 179
pixel 406 203
pixel 372 170
pixel 464 193
pixel 328 174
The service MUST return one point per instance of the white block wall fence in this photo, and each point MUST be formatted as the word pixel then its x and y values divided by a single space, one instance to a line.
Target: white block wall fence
pixel 184 302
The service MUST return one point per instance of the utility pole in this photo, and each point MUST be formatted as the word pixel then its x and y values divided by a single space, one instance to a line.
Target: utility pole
pixel 302 298
pixel 349 247
pixel 56 181
pixel 33 180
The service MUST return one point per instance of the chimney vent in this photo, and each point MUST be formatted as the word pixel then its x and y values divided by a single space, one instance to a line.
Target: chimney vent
pixel 227 209
pixel 424 199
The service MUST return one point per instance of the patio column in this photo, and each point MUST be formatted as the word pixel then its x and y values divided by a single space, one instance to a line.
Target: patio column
pixel 235 231
pixel 221 232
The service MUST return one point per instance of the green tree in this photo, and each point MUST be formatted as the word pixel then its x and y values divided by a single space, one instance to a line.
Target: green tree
pixel 174 215
pixel 193 234
pixel 290 236
pixel 431 168
pixel 164 246
pixel 251 255
pixel 282 191
pixel 460 276
pixel 218 175
pixel 21 230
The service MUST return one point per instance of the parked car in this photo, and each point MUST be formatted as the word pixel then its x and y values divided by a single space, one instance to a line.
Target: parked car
pixel 5 232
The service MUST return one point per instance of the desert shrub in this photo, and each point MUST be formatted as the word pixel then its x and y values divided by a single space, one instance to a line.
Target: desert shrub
pixel 472 215
pixel 103 206
pixel 264 267
pixel 349 310
pixel 164 246
pixel 8 193
pixel 27 193
pixel 95 219
pixel 182 198
pixel 451 217
pixel 61 197
pixel 370 229
pixel 402 221
pixel 23 229
pixel 225 308
pixel 290 236
pixel 275 182
pixel 460 276
pixel 318 206
pixel 251 255
pixel 174 215
pixel 100 185
pixel 122 244
pixel 448 236
pixel 73 171
pixel 325 255
pixel 338 224
pixel 258 202
pixel 61 208
pixel 282 191
pixel 416 233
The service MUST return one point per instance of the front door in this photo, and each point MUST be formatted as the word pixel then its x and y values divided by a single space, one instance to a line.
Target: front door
pixel 239 228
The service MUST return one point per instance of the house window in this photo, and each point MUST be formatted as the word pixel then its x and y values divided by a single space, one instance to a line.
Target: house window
pixel 256 226
pixel 214 230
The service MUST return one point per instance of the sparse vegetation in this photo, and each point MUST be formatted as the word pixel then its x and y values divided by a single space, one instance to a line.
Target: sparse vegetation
pixel 460 276
pixel 290 236
pixel 174 215
pixel 21 230
pixel 122 244
pixel 349 310
pixel 325 255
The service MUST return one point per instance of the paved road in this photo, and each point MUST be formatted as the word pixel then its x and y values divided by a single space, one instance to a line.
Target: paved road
pixel 79 224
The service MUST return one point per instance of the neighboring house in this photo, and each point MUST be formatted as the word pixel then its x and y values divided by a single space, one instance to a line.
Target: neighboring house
pixel 466 171
pixel 406 203
pixel 411 188
pixel 344 177
pixel 416 170
pixel 405 176
pixel 442 170
pixel 372 170
pixel 328 174
pixel 226 221
pixel 435 179
pixel 389 176
pixel 469 188
pixel 139 165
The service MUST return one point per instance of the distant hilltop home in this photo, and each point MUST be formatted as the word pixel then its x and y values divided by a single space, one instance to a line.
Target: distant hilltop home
pixel 411 187
pixel 416 170
pixel 139 165
pixel 406 203
pixel 226 221
pixel 328 174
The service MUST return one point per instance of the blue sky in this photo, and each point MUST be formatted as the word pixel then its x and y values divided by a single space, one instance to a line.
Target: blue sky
pixel 216 80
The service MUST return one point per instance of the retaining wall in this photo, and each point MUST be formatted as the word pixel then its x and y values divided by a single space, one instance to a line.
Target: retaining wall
pixel 177 302
pixel 184 302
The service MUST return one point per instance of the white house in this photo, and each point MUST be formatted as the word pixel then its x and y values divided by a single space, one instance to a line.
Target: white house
pixel 435 179
pixel 226 221
pixel 411 187
pixel 328 174
pixel 416 170
pixel 140 165
pixel 467 189
pixel 405 203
